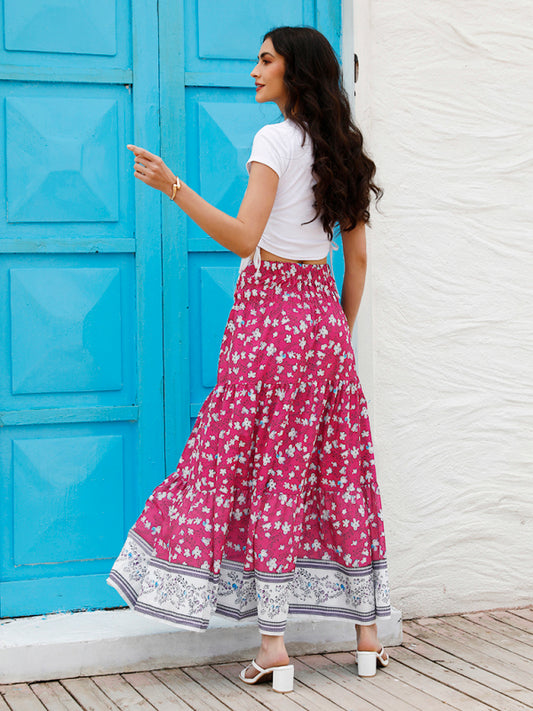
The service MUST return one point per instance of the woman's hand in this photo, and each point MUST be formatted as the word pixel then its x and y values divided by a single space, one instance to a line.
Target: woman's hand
pixel 152 170
pixel 239 234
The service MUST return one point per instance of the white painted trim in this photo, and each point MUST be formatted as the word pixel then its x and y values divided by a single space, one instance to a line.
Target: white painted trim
pixel 356 39
pixel 63 645
pixel 347 46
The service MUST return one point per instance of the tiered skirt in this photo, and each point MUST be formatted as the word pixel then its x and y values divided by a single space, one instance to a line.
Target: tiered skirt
pixel 274 507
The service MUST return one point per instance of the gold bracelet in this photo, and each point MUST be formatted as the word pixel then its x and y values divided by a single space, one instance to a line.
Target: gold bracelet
pixel 176 186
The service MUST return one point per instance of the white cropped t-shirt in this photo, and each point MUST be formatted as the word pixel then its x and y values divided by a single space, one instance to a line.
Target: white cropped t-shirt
pixel 279 145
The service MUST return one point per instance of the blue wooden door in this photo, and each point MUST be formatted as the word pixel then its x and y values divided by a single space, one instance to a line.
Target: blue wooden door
pixel 81 396
pixel 208 120
pixel 112 303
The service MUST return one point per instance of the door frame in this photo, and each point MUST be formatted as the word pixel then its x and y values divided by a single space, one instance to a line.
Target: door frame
pixel 174 253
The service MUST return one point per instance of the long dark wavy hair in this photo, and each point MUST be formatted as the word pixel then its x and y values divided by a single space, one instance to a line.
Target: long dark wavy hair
pixel 317 101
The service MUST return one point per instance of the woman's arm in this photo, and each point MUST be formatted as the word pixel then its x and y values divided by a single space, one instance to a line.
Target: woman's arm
pixel 354 248
pixel 239 234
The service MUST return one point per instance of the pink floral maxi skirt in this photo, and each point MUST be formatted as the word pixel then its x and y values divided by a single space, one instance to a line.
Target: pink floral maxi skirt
pixel 274 506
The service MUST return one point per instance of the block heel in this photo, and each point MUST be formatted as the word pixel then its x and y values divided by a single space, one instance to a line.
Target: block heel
pixel 368 661
pixel 282 677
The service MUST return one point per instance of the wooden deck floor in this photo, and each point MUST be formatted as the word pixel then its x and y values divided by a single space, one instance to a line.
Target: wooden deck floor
pixel 470 662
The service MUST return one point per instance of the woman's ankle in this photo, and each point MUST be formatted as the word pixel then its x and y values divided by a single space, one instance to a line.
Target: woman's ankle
pixel 273 645
pixel 367 638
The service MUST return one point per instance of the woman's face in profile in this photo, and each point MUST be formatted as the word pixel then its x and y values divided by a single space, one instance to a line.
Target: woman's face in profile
pixel 268 74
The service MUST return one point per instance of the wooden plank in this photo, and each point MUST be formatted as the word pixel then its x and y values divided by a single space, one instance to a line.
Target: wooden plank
pixel 316 683
pixel 525 612
pixel 264 693
pixel 418 695
pixel 468 678
pixel 513 621
pixel 482 654
pixel 345 674
pixel 470 662
pixel 20 697
pixel 483 618
pixel 434 680
pixel 354 694
pixel 190 690
pixel 161 694
pixel 88 695
pixel 224 690
pixel 507 641
pixel 122 693
pixel 486 650
pixel 316 700
pixel 54 696
pixel 346 699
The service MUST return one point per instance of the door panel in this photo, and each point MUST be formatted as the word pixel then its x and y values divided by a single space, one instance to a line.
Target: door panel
pixel 225 37
pixel 81 402
pixel 62 34
pixel 214 118
pixel 105 286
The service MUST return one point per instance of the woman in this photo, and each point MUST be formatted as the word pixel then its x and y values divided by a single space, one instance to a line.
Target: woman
pixel 274 506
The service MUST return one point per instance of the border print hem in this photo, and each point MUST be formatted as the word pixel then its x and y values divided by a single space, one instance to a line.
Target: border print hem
pixel 186 597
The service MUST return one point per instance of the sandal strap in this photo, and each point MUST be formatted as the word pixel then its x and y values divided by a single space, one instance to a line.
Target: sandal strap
pixel 380 654
pixel 256 665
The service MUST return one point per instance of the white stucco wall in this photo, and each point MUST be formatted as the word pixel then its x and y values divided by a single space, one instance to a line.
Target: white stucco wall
pixel 445 335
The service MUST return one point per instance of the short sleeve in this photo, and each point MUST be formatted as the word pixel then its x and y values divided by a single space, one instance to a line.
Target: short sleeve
pixel 270 148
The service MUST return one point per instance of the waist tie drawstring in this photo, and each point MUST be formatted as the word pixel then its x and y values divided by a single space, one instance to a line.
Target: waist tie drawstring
pixel 256 259
pixel 333 247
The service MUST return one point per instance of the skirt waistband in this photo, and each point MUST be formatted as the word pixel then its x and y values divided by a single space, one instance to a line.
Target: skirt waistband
pixel 256 260
pixel 286 275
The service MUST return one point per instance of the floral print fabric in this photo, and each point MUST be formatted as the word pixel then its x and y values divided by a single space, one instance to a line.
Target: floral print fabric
pixel 274 506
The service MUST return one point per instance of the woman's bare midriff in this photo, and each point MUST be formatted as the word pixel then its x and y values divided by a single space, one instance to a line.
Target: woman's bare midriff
pixel 269 257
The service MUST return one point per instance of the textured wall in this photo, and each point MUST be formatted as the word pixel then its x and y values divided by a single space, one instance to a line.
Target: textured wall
pixel 445 345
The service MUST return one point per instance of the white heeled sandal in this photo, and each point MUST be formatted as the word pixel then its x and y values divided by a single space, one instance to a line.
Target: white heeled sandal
pixel 282 677
pixel 366 661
